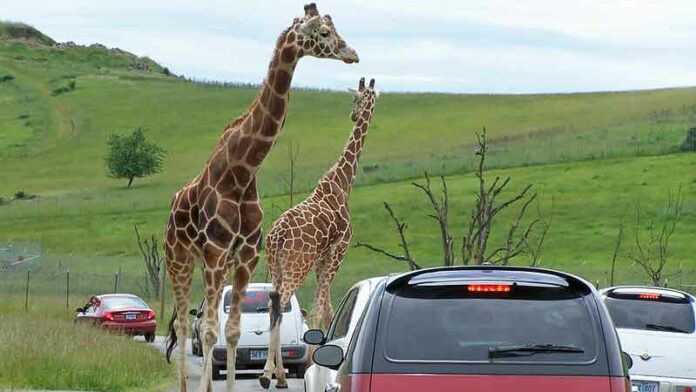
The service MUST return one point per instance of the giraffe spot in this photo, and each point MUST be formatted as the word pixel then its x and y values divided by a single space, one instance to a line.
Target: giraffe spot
pixel 363 127
pixel 211 205
pixel 265 94
pixel 277 107
pixel 254 238
pixel 181 218
pixel 282 81
pixel 237 152
pixel 287 55
pixel 168 252
pixel 252 215
pixel 307 45
pixel 241 175
pixel 257 116
pixel 247 253
pixel 227 185
pixel 251 193
pixel 191 232
pixel 191 194
pixel 347 174
pixel 322 47
pixel 291 37
pixel 365 114
pixel 217 166
pixel 271 77
pixel 269 127
pixel 229 212
pixel 258 152
pixel 218 234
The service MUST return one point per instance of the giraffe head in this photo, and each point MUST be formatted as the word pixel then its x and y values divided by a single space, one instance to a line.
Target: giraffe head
pixel 363 98
pixel 317 37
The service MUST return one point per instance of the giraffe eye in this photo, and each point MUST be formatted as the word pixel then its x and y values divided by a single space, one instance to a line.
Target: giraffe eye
pixel 324 34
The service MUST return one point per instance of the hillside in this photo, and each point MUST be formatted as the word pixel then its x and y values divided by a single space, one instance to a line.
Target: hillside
pixel 602 146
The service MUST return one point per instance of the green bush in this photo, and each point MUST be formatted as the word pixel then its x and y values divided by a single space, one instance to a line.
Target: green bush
pixel 6 78
pixel 689 143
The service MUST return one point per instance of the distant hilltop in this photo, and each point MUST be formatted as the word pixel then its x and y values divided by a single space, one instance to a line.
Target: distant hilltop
pixel 13 32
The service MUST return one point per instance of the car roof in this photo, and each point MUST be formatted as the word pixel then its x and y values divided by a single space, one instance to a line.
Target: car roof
pixel 637 289
pixel 464 274
pixel 102 296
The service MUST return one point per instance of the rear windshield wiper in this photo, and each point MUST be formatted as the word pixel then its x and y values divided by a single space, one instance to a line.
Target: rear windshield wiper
pixel 667 328
pixel 530 349
pixel 262 309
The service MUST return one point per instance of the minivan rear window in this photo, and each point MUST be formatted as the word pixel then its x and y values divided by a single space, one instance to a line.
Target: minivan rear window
pixel 255 301
pixel 652 315
pixel 453 324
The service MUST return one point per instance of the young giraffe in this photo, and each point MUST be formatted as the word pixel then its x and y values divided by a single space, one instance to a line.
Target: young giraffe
pixel 216 218
pixel 317 233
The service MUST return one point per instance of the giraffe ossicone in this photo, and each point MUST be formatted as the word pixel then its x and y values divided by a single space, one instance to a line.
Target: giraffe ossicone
pixel 315 233
pixel 215 219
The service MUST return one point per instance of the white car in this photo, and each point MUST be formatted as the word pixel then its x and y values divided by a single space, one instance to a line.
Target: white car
pixel 657 328
pixel 340 331
pixel 253 343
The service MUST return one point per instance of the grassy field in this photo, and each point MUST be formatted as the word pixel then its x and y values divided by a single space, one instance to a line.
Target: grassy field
pixel 42 349
pixel 592 153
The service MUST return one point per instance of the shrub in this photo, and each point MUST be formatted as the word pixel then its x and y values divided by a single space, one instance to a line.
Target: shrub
pixel 689 143
pixel 6 78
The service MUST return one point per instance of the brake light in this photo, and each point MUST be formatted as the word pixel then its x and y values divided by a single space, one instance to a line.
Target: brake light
pixel 649 296
pixel 150 315
pixel 108 316
pixel 489 288
pixel 685 389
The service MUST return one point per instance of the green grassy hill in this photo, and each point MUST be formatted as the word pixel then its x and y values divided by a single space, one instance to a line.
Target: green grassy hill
pixel 599 152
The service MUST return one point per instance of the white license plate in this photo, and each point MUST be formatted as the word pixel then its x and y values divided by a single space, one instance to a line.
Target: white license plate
pixel 257 355
pixel 646 386
pixel 131 316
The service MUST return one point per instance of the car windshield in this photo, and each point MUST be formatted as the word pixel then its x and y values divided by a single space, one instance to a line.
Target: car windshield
pixel 527 324
pixel 119 303
pixel 646 314
pixel 255 301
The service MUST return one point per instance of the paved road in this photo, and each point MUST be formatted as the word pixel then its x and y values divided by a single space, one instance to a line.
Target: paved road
pixel 247 381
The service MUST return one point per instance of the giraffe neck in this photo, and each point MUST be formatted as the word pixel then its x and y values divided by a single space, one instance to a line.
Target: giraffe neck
pixel 266 116
pixel 346 167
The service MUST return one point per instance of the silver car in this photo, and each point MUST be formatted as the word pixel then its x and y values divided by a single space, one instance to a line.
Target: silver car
pixel 253 343
pixel 657 328
pixel 317 378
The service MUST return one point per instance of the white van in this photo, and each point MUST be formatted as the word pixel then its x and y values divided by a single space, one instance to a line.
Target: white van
pixel 253 343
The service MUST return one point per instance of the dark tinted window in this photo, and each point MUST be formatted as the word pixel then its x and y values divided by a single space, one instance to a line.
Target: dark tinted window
pixel 341 322
pixel 119 303
pixel 255 301
pixel 451 324
pixel 651 314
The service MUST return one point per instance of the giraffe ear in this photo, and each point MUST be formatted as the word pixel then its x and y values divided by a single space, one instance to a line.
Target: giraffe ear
pixel 312 24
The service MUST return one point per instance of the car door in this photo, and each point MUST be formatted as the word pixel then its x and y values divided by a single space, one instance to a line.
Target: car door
pixel 338 335
pixel 89 313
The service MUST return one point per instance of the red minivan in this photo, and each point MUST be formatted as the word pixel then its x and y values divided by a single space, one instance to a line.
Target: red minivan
pixel 480 329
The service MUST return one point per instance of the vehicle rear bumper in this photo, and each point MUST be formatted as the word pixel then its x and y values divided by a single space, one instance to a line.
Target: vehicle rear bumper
pixel 292 355
pixel 667 384
pixel 132 328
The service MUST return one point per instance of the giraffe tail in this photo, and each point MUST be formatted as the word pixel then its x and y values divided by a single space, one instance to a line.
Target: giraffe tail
pixel 276 315
pixel 171 337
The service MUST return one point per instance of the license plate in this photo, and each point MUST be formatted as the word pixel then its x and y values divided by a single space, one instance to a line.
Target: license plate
pixel 131 316
pixel 646 386
pixel 257 355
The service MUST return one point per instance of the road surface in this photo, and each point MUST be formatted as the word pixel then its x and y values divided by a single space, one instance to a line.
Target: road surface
pixel 247 381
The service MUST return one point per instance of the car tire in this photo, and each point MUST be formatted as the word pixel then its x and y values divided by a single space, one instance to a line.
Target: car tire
pixel 300 371
pixel 216 373
pixel 150 337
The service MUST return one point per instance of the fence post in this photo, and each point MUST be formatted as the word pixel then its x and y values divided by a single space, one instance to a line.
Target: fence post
pixel 116 282
pixel 26 294
pixel 67 289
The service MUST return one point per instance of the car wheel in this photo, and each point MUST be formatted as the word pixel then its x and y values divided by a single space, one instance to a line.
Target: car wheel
pixel 150 337
pixel 216 373
pixel 300 371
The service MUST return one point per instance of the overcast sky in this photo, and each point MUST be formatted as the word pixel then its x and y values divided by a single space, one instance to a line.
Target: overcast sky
pixel 468 46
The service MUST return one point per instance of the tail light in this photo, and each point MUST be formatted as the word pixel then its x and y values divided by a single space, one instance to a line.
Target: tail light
pixel 150 315
pixel 108 316
pixel 684 389
pixel 649 296
pixel 489 288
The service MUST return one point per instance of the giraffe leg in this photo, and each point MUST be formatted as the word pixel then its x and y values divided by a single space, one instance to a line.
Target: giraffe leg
pixel 244 265
pixel 180 272
pixel 214 274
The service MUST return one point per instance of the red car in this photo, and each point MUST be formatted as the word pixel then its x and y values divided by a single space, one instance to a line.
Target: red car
pixel 479 329
pixel 119 312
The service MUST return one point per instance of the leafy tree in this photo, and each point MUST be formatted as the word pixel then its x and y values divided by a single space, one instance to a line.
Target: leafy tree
pixel 132 156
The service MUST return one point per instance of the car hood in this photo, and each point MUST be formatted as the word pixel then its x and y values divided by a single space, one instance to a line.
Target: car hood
pixel 660 354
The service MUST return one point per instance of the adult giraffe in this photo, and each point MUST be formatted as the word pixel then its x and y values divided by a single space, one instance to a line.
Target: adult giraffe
pixel 317 233
pixel 216 218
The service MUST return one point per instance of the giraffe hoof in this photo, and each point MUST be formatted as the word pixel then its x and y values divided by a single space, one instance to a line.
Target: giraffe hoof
pixel 282 386
pixel 265 382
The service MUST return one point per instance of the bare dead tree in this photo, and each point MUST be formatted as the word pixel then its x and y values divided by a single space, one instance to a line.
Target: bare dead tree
pixel 403 244
pixel 485 210
pixel 651 247
pixel 441 212
pixel 153 263
pixel 534 246
pixel 293 152
pixel 512 246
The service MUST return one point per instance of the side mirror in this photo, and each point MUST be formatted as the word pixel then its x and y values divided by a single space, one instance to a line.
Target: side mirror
pixel 193 312
pixel 314 337
pixel 627 359
pixel 329 356
pixel 79 310
pixel 304 313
